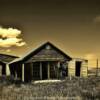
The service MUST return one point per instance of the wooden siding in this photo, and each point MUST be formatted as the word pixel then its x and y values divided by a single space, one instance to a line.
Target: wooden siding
pixel 72 67
pixel 46 51
pixel 47 55
pixel 84 69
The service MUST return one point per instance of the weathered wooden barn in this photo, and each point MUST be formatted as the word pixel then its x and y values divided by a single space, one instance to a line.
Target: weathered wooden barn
pixel 47 62
pixel 4 67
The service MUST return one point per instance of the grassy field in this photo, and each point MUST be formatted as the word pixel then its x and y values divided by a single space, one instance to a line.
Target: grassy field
pixel 74 89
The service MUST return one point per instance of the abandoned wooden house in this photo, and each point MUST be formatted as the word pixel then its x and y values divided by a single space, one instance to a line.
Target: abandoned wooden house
pixel 46 62
pixel 4 67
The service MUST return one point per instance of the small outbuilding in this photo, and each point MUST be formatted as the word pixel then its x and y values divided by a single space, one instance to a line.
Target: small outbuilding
pixel 4 67
pixel 78 67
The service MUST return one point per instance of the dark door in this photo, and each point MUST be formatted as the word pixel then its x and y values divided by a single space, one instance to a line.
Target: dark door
pixel 27 72
pixel 36 71
pixel 3 69
pixel 78 68
pixel 53 70
pixel 44 70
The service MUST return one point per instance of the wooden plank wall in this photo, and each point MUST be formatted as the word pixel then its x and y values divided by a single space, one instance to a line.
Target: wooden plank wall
pixel 71 68
pixel 84 69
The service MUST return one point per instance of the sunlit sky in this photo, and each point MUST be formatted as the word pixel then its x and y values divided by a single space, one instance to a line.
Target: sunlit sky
pixel 71 25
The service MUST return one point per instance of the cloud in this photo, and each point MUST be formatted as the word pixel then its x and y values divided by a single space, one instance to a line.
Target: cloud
pixel 97 19
pixel 10 32
pixel 8 50
pixel 10 37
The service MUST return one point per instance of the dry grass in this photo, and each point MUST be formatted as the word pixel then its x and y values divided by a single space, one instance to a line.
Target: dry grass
pixel 75 89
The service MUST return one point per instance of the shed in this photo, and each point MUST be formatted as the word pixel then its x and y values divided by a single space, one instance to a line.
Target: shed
pixel 4 60
pixel 78 67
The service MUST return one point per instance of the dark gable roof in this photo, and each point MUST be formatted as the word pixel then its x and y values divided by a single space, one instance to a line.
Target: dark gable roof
pixel 43 46
pixel 5 58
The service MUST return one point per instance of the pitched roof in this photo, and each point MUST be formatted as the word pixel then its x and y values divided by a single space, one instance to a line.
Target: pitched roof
pixel 33 52
pixel 5 58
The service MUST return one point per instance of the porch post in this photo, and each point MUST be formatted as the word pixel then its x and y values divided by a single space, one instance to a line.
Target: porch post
pixel 48 70
pixel 23 72
pixel 58 64
pixel 58 69
pixel 31 64
pixel 1 70
pixel 15 75
pixel 41 70
pixel 7 70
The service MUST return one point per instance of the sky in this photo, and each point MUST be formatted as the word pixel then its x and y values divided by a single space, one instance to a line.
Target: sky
pixel 71 25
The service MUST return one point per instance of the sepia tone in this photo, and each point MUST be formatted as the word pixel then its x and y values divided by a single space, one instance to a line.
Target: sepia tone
pixel 49 50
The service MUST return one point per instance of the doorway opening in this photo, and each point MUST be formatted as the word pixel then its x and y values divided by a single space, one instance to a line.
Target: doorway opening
pixel 44 70
pixel 78 68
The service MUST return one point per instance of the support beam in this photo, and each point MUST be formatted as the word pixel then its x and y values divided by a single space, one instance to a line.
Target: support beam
pixel 87 70
pixel 23 72
pixel 97 67
pixel 58 65
pixel 7 70
pixel 1 70
pixel 48 70
pixel 31 65
pixel 15 75
pixel 41 70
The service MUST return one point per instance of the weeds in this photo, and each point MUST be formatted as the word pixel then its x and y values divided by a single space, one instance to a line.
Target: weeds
pixel 82 88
